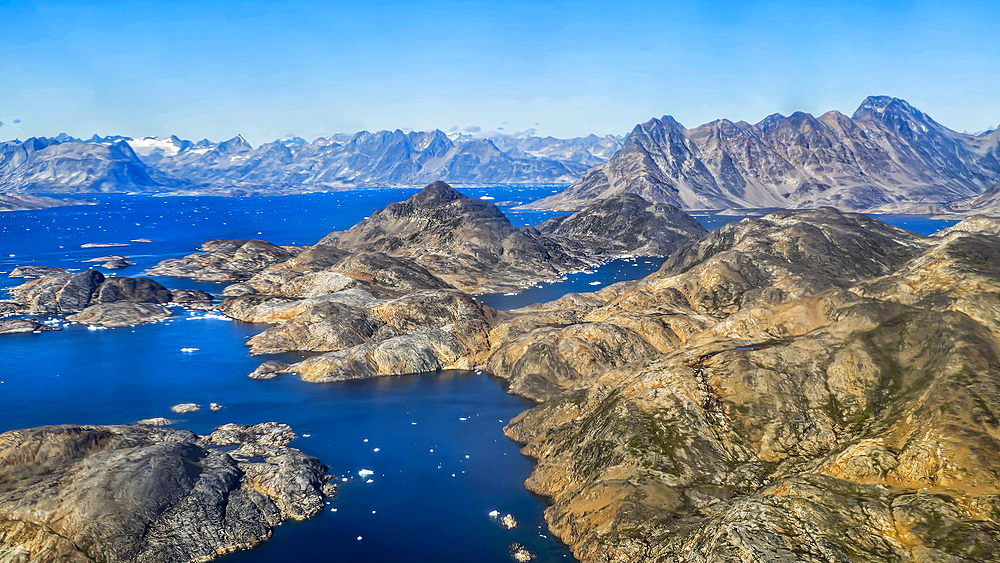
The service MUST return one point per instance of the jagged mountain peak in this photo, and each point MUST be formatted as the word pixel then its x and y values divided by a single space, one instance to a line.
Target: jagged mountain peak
pixel 895 113
pixel 236 144
pixel 881 104
pixel 887 154
pixel 665 122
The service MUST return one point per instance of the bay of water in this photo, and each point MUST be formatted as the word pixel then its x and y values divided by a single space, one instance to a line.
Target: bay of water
pixel 442 463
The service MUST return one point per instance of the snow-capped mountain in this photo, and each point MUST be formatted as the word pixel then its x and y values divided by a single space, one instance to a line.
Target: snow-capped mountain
pixel 42 165
pixel 362 159
pixel 887 153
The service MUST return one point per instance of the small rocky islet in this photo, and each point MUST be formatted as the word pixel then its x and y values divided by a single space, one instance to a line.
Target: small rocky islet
pixel 805 386
pixel 91 298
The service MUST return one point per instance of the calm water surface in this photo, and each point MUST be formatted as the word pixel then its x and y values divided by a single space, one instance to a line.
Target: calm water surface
pixel 441 463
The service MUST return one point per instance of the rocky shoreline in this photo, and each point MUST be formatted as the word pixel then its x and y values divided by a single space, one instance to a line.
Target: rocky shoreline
pixel 90 298
pixel 774 376
pixel 809 386
pixel 138 493
pixel 26 202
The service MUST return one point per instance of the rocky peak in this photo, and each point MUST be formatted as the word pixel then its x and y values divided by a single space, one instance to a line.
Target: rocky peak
pixel 663 127
pixel 37 143
pixel 467 242
pixel 236 144
pixel 894 113
pixel 624 225
pixel 435 193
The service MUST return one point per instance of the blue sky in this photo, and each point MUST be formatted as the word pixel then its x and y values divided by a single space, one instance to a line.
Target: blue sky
pixel 214 69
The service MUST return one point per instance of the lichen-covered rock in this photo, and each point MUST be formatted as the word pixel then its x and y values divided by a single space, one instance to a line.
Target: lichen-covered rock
pixel 268 370
pixel 419 332
pixel 58 293
pixel 224 261
pixel 35 271
pixel 189 296
pixel 143 494
pixel 120 313
pixel 135 290
pixel 101 301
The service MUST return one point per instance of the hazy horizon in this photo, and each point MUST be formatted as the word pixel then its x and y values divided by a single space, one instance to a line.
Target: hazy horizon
pixel 218 69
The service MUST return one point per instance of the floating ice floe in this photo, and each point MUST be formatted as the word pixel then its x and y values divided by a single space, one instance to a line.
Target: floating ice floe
pixel 212 316
pixel 365 473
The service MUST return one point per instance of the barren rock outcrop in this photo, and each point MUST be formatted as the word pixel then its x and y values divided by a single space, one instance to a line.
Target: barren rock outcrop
pixel 224 261
pixel 139 493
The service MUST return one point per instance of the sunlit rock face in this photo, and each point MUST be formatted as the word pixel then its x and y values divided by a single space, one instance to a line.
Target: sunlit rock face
pixel 887 155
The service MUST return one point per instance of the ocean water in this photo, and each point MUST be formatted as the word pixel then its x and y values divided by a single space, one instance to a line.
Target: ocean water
pixel 442 463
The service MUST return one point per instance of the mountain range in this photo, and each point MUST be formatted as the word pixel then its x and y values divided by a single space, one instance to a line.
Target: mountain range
pixel 887 156
pixel 65 164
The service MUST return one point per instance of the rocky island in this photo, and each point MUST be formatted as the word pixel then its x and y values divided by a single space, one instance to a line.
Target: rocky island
pixel 136 493
pixel 26 202
pixel 88 297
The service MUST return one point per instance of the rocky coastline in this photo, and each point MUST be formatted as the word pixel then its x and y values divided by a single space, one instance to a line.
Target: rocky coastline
pixel 90 298
pixel 27 202
pixel 140 493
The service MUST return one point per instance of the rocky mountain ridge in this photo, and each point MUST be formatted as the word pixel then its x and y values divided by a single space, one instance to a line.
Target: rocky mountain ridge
pixel 888 154
pixel 65 164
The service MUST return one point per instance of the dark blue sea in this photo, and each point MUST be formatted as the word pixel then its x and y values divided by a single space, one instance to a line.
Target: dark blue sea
pixel 433 441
